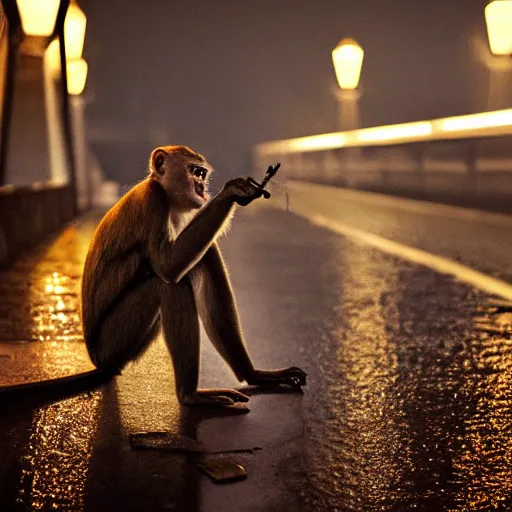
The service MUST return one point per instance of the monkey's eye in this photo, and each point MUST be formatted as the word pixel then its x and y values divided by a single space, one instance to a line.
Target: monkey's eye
pixel 199 172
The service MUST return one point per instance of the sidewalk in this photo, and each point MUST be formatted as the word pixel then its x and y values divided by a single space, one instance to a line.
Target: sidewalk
pixel 75 454
pixel 40 331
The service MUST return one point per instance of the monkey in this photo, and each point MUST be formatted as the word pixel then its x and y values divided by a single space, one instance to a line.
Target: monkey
pixel 154 265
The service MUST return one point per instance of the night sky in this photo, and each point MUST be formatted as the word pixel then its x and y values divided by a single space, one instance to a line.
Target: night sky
pixel 222 75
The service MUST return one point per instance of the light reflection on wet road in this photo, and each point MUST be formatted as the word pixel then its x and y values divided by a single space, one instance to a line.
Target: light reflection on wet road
pixel 407 406
pixel 56 458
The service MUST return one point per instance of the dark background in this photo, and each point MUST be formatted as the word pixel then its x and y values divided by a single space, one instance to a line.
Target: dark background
pixel 221 76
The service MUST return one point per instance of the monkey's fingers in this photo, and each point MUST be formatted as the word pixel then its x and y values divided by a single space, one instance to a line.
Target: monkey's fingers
pixel 236 396
pixel 296 376
pixel 266 193
pixel 295 382
pixel 254 182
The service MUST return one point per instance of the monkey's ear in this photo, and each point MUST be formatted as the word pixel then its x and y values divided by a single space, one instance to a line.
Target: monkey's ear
pixel 158 160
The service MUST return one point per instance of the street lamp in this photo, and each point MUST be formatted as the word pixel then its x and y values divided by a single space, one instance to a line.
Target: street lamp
pixel 498 17
pixel 37 16
pixel 74 31
pixel 76 75
pixel 347 58
pixel 348 61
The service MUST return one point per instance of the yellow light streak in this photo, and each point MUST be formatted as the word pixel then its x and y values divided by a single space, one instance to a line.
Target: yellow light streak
pixel 477 121
pixel 324 141
pixel 398 131
pixel 482 124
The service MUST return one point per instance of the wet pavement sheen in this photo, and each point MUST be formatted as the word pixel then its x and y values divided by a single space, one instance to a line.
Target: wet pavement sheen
pixel 407 405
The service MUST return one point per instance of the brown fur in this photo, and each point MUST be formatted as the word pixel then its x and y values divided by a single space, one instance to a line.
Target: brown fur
pixel 153 264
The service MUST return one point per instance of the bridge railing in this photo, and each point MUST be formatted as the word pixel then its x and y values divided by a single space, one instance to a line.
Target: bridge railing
pixel 463 160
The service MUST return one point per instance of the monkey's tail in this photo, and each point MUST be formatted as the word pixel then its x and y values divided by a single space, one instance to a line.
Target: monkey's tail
pixel 56 389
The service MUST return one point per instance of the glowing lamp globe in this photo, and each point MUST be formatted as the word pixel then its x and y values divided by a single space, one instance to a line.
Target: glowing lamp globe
pixel 498 17
pixel 52 55
pixel 74 31
pixel 38 16
pixel 348 61
pixel 76 75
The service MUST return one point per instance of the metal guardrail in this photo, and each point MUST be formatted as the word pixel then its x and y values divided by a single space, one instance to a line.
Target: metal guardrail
pixel 463 160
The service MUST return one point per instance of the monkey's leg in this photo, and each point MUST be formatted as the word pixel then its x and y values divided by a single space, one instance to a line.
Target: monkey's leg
pixel 180 326
pixel 218 312
pixel 129 328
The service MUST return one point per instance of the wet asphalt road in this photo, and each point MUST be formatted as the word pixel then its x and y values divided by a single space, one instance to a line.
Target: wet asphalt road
pixel 407 406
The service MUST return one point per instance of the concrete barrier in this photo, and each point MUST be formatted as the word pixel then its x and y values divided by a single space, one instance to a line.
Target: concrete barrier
pixel 29 214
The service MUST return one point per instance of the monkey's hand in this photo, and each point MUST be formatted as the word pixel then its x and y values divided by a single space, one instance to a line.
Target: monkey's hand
pixel 293 376
pixel 243 190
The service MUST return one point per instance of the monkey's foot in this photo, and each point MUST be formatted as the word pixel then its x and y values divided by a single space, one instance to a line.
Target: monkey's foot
pixel 216 397
pixel 293 376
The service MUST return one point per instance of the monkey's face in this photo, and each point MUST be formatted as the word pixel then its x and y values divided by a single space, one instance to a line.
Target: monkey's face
pixel 184 175
pixel 197 176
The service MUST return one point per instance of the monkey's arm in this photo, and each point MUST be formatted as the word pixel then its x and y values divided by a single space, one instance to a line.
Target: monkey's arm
pixel 172 259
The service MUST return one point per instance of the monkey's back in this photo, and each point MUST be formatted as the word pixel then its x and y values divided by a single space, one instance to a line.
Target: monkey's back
pixel 117 252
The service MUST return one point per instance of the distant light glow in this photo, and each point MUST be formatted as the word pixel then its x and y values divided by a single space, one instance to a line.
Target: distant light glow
pixel 312 143
pixel 77 75
pixel 74 31
pixel 38 17
pixel 348 61
pixel 324 141
pixel 477 121
pixel 52 57
pixel 482 124
pixel 498 16
pixel 397 131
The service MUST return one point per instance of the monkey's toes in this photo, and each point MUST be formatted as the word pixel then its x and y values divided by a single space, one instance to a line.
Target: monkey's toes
pixel 222 400
pixel 294 382
pixel 295 376
pixel 238 397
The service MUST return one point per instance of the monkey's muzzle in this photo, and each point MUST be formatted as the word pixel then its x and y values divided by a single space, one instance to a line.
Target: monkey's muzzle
pixel 200 189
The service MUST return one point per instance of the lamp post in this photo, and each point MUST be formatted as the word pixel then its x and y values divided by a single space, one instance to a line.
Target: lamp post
pixel 48 36
pixel 76 74
pixel 347 58
pixel 32 26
